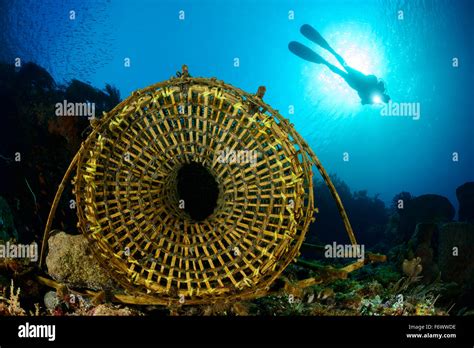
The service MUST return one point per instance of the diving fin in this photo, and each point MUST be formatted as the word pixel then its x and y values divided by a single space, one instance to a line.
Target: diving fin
pixel 305 53
pixel 312 34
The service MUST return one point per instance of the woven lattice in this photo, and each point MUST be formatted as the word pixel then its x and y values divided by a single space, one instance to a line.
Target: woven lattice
pixel 128 204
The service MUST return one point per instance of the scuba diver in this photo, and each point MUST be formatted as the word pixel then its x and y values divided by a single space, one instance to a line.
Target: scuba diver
pixel 371 90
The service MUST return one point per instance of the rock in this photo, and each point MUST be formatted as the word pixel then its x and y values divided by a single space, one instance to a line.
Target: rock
pixel 465 195
pixel 51 300
pixel 7 228
pixel 456 265
pixel 422 245
pixel 424 208
pixel 70 262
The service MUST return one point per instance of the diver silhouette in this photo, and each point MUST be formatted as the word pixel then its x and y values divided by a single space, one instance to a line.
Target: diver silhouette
pixel 371 90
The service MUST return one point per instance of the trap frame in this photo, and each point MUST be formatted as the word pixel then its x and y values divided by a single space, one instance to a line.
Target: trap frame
pixel 127 200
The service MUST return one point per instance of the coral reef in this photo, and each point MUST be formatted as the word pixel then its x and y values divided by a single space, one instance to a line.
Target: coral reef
pixel 378 289
pixel 421 246
pixel 424 208
pixel 34 160
pixel 7 227
pixel 368 215
pixel 456 252
pixel 10 304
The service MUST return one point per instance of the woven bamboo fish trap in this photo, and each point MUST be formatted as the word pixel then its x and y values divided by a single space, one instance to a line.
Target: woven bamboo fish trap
pixel 128 206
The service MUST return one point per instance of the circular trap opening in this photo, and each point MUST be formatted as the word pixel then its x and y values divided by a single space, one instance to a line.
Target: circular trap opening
pixel 198 190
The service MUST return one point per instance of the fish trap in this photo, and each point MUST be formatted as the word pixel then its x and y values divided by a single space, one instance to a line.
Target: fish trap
pixel 126 184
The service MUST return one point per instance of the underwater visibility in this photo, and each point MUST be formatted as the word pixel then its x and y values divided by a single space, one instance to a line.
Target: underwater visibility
pixel 243 158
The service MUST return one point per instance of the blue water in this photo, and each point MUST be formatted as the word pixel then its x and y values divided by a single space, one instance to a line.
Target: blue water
pixel 414 56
